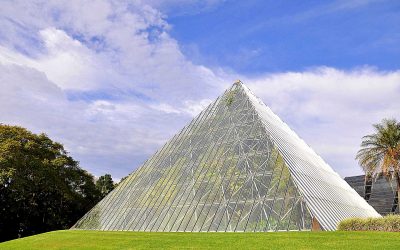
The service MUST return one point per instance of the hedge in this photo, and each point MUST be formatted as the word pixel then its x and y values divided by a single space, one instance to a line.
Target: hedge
pixel 389 223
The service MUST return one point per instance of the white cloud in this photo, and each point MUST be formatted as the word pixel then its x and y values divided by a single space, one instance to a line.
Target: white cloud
pixel 195 107
pixel 106 136
pixel 125 45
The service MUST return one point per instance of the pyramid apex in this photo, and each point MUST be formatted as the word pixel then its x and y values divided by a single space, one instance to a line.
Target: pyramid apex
pixel 238 82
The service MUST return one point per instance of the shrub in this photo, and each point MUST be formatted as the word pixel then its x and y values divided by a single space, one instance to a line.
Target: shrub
pixel 389 223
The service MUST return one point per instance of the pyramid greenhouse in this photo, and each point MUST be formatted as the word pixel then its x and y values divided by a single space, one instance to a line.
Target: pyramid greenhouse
pixel 235 167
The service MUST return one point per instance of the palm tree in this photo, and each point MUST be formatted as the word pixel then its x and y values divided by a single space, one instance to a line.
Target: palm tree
pixel 380 152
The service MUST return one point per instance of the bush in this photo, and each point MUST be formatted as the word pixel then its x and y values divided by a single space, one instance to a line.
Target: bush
pixel 389 223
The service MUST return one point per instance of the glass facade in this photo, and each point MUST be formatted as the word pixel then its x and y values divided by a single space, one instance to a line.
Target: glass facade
pixel 222 173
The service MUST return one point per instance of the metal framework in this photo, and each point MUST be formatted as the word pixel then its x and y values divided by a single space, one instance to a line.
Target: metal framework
pixel 235 167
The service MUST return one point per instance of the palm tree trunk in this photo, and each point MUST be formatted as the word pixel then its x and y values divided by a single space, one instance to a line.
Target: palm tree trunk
pixel 397 176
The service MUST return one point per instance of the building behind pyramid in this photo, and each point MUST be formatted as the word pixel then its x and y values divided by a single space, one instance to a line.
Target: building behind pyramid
pixel 235 167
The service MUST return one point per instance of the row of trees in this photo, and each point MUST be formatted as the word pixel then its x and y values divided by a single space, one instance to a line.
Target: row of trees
pixel 42 188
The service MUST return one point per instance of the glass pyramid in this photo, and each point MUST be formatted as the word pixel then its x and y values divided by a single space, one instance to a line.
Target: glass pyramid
pixel 225 171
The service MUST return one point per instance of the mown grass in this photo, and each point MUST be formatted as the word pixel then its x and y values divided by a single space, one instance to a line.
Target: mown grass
pixel 74 239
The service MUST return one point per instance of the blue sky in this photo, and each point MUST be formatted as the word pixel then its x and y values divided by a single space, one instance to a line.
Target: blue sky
pixel 114 80
pixel 253 37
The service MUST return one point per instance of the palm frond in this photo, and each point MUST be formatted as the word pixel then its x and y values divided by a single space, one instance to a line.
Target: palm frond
pixel 380 152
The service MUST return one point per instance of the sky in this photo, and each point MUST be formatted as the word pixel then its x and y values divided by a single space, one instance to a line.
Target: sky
pixel 114 80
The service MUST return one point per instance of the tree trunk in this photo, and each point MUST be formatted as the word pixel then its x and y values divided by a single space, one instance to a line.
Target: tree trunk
pixel 397 177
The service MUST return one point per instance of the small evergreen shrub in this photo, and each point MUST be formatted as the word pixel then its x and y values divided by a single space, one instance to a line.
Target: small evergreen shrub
pixel 389 223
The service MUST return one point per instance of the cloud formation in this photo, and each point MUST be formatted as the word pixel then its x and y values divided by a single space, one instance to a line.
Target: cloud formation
pixel 108 81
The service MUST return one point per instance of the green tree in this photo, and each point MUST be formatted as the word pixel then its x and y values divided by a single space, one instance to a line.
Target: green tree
pixel 380 151
pixel 105 184
pixel 42 188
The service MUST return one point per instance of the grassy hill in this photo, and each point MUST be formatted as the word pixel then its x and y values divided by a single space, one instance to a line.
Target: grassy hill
pixel 143 240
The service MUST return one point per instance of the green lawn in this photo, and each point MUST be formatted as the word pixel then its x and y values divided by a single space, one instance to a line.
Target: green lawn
pixel 143 240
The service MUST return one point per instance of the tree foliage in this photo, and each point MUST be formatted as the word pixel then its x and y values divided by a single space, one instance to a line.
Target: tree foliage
pixel 380 151
pixel 105 184
pixel 42 188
